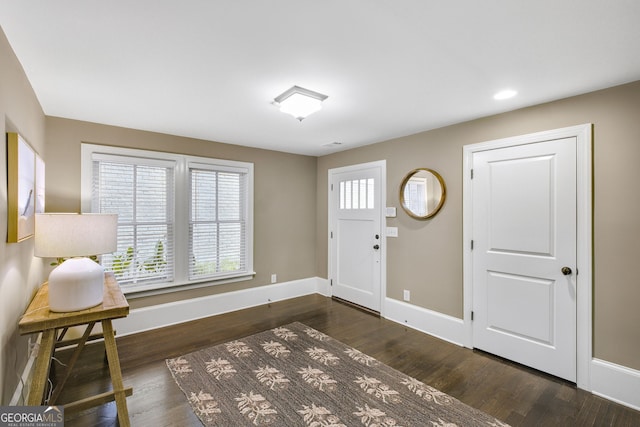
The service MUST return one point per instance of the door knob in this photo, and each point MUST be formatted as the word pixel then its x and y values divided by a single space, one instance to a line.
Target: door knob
pixel 376 247
pixel 566 271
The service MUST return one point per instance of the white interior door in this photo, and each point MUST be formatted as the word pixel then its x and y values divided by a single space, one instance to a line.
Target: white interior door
pixel 524 254
pixel 355 235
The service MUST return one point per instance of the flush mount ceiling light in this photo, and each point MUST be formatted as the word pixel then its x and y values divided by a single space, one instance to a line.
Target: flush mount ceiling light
pixel 505 94
pixel 299 102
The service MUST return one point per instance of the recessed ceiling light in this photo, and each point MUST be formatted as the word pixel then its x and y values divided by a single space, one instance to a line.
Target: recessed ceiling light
pixel 505 94
pixel 299 102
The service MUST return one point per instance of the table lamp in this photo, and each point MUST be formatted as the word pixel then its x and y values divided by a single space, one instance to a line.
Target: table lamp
pixel 78 282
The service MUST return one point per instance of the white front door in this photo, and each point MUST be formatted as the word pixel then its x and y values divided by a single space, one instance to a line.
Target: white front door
pixel 355 235
pixel 524 254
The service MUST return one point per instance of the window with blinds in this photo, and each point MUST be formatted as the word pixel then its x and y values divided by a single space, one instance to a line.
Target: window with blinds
pixel 217 225
pixel 181 219
pixel 141 193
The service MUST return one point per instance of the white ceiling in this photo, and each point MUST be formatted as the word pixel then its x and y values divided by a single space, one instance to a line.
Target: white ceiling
pixel 210 69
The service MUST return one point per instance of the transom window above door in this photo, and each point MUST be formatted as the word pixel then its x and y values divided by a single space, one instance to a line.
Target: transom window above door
pixel 357 194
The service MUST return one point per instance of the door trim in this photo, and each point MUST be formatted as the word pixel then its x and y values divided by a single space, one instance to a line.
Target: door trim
pixel 584 280
pixel 382 164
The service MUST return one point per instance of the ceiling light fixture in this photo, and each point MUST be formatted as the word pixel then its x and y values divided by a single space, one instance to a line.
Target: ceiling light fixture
pixel 299 102
pixel 505 94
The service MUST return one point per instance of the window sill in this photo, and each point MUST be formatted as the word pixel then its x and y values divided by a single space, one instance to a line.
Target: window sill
pixel 165 288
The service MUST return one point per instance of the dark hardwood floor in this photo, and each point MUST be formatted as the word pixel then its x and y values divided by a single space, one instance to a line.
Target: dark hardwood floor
pixel 517 395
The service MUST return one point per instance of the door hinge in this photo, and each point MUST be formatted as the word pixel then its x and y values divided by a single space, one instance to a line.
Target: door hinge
pixel 331 187
pixel 471 173
pixel 331 234
pixel 472 316
pixel 330 282
pixel 471 244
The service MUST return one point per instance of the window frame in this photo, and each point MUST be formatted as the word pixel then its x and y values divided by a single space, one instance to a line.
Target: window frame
pixel 181 213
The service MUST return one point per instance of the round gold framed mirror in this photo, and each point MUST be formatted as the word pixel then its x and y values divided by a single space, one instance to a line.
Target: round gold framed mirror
pixel 422 193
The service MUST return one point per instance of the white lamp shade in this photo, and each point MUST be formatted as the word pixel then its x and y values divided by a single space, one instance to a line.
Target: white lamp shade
pixel 63 235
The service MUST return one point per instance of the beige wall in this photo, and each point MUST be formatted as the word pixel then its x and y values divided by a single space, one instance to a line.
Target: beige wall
pixel 285 202
pixel 20 272
pixel 426 258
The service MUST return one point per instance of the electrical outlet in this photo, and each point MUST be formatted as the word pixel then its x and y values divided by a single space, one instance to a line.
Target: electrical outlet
pixel 407 295
pixel 274 278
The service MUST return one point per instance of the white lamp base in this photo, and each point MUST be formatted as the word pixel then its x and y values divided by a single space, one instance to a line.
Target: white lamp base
pixel 76 284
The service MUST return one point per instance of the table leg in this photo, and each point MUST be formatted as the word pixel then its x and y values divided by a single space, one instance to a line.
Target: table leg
pixel 41 373
pixel 72 361
pixel 116 374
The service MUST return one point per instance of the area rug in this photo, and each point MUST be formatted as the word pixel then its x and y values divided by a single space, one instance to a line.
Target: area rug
pixel 297 376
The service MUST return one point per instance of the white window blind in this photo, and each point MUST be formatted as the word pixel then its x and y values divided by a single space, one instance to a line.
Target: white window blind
pixel 182 220
pixel 141 193
pixel 217 225
pixel 357 194
pixel 415 195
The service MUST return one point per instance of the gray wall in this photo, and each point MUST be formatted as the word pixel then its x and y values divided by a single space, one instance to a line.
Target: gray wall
pixel 426 258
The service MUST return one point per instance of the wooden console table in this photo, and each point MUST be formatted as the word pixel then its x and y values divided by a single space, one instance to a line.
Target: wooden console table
pixel 38 318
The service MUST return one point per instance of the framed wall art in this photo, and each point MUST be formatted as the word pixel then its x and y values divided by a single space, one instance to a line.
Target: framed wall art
pixel 39 184
pixel 25 188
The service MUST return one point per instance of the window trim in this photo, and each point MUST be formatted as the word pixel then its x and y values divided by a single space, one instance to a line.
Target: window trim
pixel 181 212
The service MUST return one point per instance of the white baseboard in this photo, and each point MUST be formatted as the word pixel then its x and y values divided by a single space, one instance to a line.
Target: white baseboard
pixel 24 385
pixel 616 382
pixel 613 382
pixel 324 287
pixel 447 328
pixel 158 316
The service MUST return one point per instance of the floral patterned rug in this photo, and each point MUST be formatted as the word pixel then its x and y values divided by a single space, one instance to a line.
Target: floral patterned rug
pixel 296 376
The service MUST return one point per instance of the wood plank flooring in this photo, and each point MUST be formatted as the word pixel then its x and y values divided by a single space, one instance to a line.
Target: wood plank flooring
pixel 517 395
